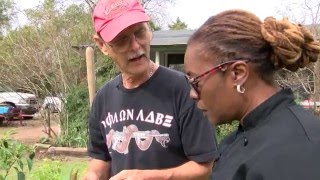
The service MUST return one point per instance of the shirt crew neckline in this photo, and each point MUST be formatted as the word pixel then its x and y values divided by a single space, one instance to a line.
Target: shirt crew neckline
pixel 143 85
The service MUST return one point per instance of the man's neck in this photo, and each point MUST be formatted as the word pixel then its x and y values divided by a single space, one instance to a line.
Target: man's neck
pixel 131 82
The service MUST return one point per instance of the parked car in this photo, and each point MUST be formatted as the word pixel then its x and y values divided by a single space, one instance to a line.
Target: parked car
pixel 52 103
pixel 26 102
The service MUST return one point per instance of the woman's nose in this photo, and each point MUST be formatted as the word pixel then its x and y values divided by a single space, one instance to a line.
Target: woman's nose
pixel 193 94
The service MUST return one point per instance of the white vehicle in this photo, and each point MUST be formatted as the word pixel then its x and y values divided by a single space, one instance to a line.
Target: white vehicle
pixel 26 102
pixel 52 103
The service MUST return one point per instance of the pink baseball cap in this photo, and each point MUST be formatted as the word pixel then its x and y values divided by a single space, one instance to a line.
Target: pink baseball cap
pixel 110 17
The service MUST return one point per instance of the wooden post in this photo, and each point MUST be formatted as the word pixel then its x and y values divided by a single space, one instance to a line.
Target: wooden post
pixel 49 121
pixel 90 73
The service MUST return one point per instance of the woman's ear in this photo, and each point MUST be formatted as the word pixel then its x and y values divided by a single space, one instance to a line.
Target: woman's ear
pixel 240 72
pixel 101 45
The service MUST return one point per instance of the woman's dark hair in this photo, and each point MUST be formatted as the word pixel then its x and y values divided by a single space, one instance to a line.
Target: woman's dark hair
pixel 270 45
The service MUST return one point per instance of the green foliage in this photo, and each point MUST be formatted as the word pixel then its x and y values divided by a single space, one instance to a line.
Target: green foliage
pixel 154 26
pixel 40 57
pixel 75 122
pixel 105 70
pixel 14 155
pixel 5 7
pixel 225 129
pixel 178 25
pixel 57 170
pixel 74 125
pixel 48 170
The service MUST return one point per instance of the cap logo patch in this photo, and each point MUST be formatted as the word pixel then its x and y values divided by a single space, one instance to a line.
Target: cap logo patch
pixel 116 7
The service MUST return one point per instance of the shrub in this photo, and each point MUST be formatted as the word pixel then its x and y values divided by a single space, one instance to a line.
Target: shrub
pixel 57 170
pixel 225 129
pixel 75 119
pixel 75 122
pixel 14 155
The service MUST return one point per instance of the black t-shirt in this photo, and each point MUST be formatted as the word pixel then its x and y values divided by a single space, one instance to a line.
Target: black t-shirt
pixel 278 140
pixel 153 126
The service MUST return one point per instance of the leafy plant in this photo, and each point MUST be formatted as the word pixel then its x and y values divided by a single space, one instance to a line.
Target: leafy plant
pixel 225 129
pixel 14 155
pixel 75 121
pixel 48 170
pixel 74 124
pixel 57 170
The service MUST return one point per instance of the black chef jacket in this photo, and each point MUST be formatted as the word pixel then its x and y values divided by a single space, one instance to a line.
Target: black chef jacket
pixel 278 140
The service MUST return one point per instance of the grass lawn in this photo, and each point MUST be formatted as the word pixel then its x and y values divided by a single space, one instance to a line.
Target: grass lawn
pixel 45 169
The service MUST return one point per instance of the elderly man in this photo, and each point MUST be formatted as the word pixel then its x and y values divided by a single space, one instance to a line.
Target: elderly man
pixel 142 123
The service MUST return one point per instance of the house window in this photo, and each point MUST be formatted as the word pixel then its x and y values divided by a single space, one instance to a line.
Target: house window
pixel 175 61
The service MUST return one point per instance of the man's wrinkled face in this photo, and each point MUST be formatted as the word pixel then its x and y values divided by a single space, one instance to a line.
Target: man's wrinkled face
pixel 130 49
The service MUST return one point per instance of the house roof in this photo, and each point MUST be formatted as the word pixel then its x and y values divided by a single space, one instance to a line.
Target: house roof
pixel 180 37
pixel 171 37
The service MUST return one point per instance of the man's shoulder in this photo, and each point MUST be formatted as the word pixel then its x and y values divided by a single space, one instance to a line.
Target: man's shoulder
pixel 109 85
pixel 172 76
pixel 170 71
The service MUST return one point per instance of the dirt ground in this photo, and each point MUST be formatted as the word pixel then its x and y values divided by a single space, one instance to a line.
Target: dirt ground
pixel 30 132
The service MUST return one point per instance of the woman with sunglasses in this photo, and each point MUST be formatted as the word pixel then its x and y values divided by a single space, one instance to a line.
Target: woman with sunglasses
pixel 230 64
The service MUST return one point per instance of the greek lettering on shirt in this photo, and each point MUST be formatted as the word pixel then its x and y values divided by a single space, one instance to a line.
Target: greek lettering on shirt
pixel 130 115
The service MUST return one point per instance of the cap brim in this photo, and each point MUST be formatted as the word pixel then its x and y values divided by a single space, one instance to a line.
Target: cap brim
pixel 109 32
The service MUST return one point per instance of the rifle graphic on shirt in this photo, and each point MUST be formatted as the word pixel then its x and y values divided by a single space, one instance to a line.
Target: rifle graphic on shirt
pixel 120 140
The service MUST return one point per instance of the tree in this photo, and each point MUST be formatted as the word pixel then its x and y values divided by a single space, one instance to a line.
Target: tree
pixel 178 25
pixel 155 8
pixel 154 26
pixel 307 13
pixel 39 57
pixel 5 13
pixel 40 54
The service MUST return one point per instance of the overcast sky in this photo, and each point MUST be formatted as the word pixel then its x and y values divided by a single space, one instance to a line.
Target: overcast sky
pixel 195 12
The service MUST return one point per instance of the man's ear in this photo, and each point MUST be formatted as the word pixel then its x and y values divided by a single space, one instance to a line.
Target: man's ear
pixel 99 42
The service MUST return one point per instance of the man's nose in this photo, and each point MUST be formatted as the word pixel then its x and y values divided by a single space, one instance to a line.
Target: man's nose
pixel 134 43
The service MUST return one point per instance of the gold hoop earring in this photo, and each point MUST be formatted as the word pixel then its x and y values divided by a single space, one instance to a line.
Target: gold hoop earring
pixel 240 89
